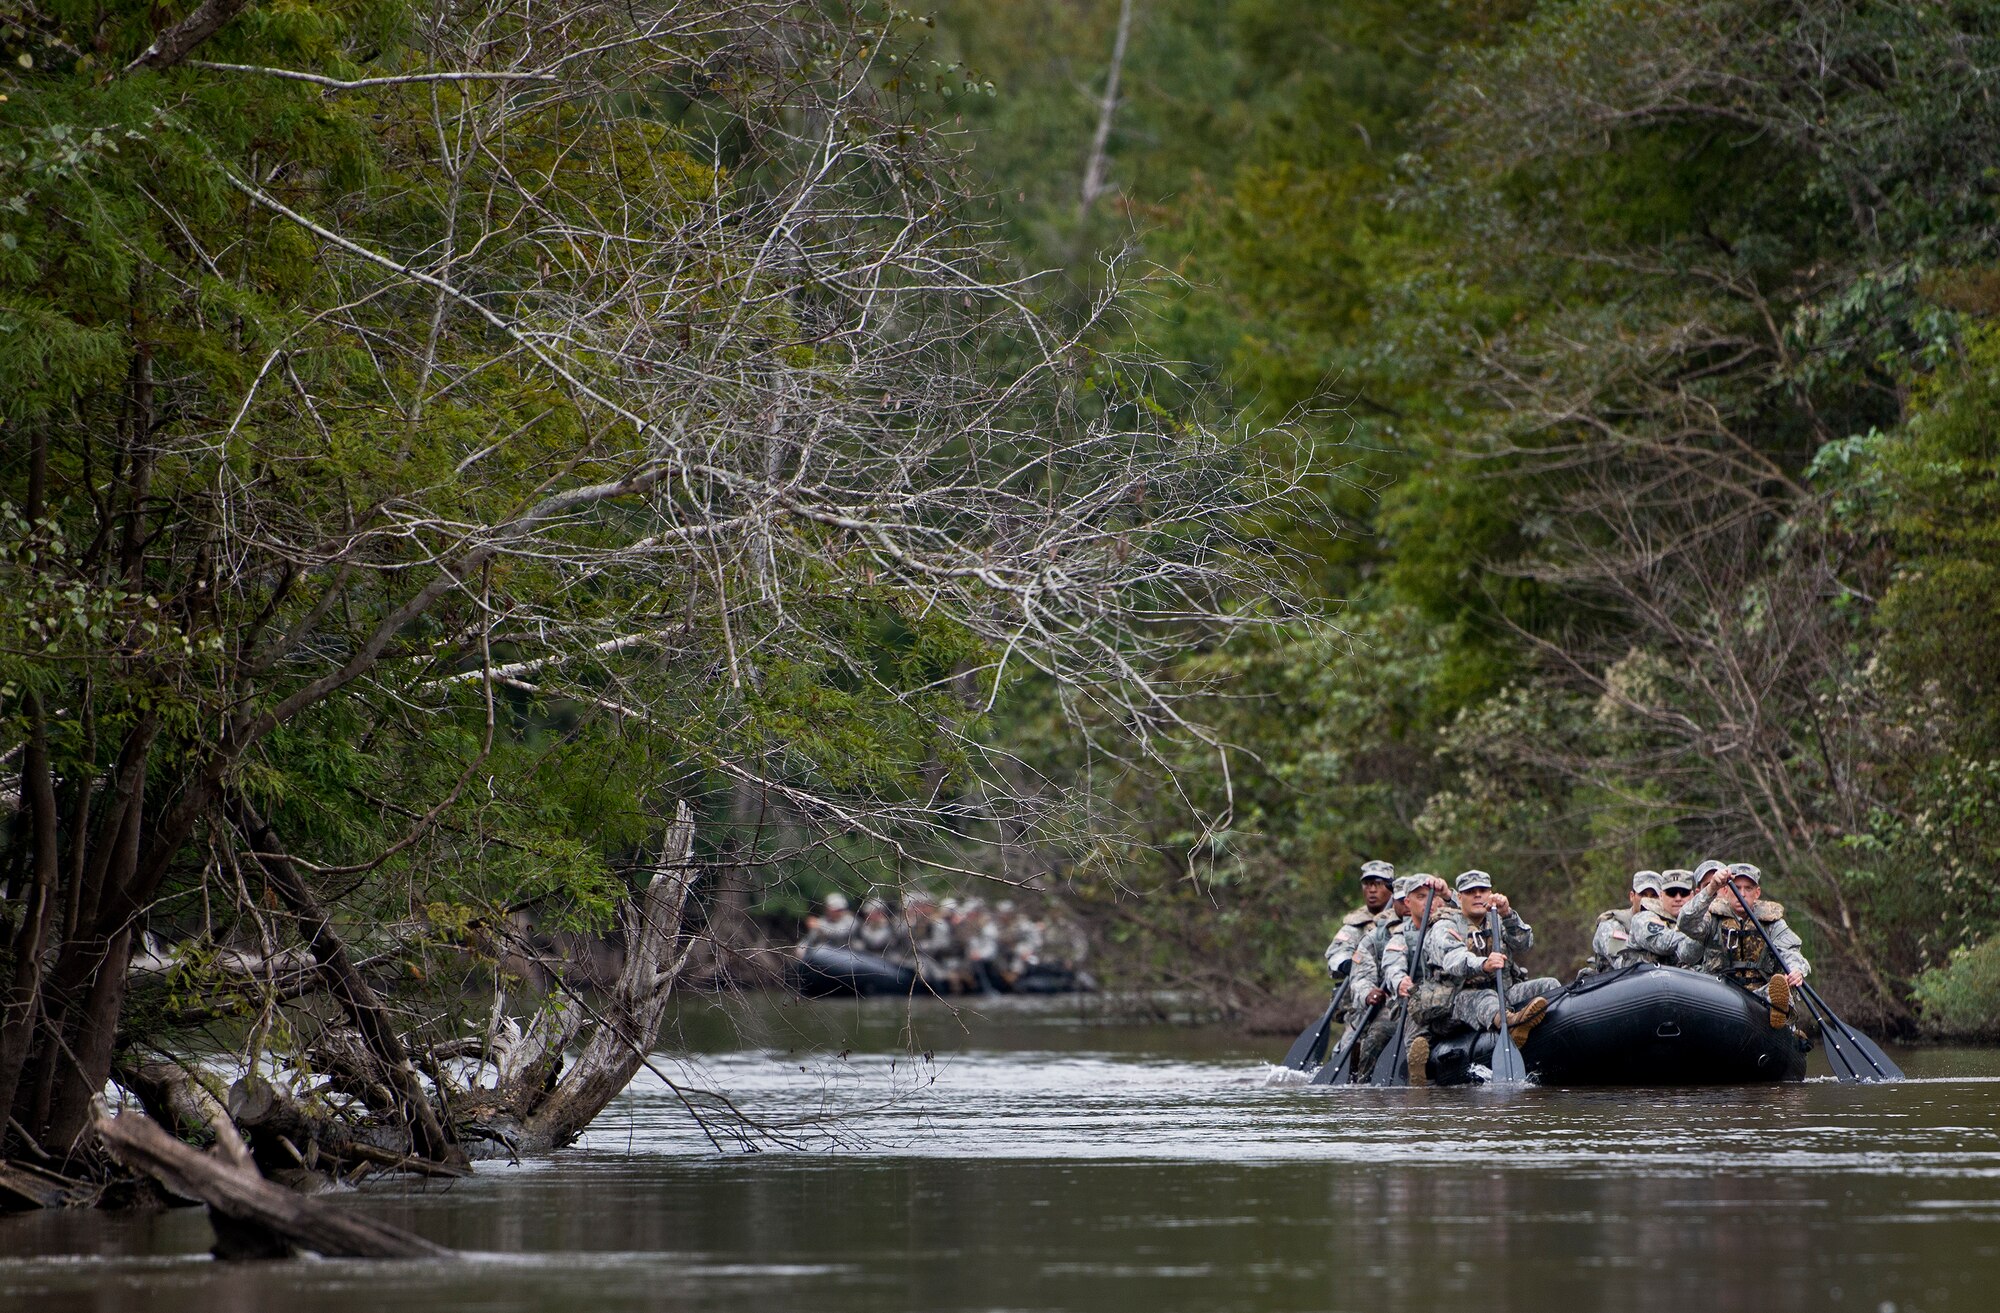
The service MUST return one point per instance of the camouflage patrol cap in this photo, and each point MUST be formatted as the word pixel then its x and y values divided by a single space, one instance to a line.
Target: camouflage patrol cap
pixel 1745 871
pixel 1378 870
pixel 1644 880
pixel 1406 885
pixel 1474 879
pixel 1676 878
pixel 1703 871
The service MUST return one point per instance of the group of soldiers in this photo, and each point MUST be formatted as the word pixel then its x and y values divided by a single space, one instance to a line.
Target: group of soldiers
pixel 961 942
pixel 1416 940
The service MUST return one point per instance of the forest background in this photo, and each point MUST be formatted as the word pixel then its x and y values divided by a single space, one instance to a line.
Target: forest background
pixel 1651 348
pixel 1153 454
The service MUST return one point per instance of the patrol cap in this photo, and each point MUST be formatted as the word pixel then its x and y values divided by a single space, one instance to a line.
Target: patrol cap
pixel 1378 870
pixel 1745 871
pixel 1644 880
pixel 1405 885
pixel 1676 879
pixel 1474 880
pixel 836 902
pixel 1703 871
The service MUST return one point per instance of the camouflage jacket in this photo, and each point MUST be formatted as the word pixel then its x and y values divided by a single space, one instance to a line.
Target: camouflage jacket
pixel 1655 938
pixel 1611 941
pixel 1455 949
pixel 1728 941
pixel 1383 960
pixel 1354 928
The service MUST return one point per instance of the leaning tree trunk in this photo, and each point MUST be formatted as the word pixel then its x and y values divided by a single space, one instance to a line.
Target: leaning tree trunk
pixel 526 1114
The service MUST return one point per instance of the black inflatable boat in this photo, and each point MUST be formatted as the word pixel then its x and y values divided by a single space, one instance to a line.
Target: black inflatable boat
pixel 1643 1025
pixel 820 972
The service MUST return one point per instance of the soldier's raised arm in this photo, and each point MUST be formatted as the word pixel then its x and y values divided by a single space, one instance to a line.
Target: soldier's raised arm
pixel 1695 922
pixel 1651 933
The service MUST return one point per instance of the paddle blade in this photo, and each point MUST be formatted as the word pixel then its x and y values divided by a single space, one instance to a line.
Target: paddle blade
pixel 1329 1071
pixel 1306 1049
pixel 1508 1066
pixel 1853 1056
pixel 1393 1067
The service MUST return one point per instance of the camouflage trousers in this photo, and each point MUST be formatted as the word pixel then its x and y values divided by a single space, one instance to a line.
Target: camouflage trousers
pixel 1478 1006
pixel 1374 1039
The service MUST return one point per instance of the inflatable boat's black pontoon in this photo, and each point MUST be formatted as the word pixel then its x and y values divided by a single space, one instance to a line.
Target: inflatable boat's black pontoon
pixel 821 971
pixel 1643 1025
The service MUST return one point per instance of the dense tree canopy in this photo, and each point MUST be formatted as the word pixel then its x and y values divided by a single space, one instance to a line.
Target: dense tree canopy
pixel 1654 332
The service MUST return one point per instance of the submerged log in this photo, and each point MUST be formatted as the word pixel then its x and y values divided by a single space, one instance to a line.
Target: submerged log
pixel 253 1217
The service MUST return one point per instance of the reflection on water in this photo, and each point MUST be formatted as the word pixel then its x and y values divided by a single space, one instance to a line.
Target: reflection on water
pixel 1028 1159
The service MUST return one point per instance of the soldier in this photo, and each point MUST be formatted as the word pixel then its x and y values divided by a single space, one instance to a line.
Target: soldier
pixel 926 940
pixel 834 927
pixel 1611 944
pixel 1731 945
pixel 1418 898
pixel 1377 879
pixel 1655 934
pixel 879 932
pixel 1457 953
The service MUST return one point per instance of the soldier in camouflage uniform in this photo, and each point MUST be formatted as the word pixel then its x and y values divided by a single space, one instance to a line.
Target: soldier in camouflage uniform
pixel 1382 971
pixel 1456 951
pixel 1377 881
pixel 1730 944
pixel 1611 942
pixel 1656 936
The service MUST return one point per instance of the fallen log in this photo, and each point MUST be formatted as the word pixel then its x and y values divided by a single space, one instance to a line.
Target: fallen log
pixel 283 1133
pixel 252 1217
pixel 25 1186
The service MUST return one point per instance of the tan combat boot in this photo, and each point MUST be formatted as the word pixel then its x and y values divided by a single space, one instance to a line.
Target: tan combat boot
pixel 1522 1021
pixel 1780 990
pixel 1420 1060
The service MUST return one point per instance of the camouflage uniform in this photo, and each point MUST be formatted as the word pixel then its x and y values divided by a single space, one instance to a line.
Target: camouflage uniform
pixel 1454 951
pixel 1729 943
pixel 1655 938
pixel 1347 941
pixel 1356 925
pixel 1386 954
pixel 835 929
pixel 1611 942
pixel 1366 971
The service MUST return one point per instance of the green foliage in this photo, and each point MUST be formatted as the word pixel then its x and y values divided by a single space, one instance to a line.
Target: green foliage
pixel 1961 999
pixel 1646 338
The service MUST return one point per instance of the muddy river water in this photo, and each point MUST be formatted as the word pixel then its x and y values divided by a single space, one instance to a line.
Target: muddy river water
pixel 1021 1157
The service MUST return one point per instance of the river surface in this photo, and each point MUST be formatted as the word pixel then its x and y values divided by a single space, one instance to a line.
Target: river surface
pixel 1020 1157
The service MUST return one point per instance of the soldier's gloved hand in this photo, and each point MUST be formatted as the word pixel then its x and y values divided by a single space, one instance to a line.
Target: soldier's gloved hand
pixel 1493 962
pixel 1404 986
pixel 1376 996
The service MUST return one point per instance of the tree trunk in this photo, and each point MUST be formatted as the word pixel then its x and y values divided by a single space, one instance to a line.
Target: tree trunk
pixel 428 1135
pixel 23 1001
pixel 630 1024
